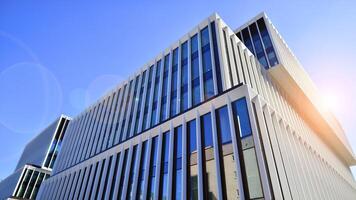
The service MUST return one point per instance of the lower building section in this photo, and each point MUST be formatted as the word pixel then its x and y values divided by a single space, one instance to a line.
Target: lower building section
pixel 233 146
pixel 24 183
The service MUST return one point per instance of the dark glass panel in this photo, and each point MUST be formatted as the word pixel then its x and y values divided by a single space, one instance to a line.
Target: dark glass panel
pixel 177 184
pixel 223 125
pixel 163 194
pixel 216 57
pixel 206 130
pixel 240 110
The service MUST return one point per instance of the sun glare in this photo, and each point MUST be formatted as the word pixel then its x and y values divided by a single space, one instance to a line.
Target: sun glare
pixel 330 102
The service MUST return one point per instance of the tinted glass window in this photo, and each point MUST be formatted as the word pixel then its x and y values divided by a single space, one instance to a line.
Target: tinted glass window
pixel 177 186
pixel 223 125
pixel 191 129
pixel 195 70
pixel 240 110
pixel 206 130
pixel 207 64
pixel 164 167
pixel 184 76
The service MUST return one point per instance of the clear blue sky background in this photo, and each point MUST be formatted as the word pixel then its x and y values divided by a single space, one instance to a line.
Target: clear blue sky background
pixel 59 57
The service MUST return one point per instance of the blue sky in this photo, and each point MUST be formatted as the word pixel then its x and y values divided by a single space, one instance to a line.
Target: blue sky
pixel 59 57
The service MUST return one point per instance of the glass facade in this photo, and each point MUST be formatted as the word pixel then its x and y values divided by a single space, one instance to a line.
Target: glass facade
pixel 155 94
pixel 163 189
pixel 165 89
pixel 143 168
pixel 146 123
pixel 207 64
pixel 174 83
pixel 135 175
pixel 195 70
pixel 182 81
pixel 184 77
pixel 192 161
pixel 152 173
pixel 257 39
pixel 177 169
pixel 29 182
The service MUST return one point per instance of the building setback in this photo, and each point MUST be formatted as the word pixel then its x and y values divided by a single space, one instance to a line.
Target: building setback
pixel 220 114
pixel 36 162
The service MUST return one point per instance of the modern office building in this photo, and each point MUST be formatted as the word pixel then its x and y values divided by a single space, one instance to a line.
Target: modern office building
pixel 220 114
pixel 36 162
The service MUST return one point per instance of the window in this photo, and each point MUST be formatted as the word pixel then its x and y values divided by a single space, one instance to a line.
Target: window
pixel 141 172
pixel 247 40
pixel 130 87
pixel 163 194
pixel 184 77
pixel 25 183
pixel 111 190
pixel 223 125
pixel 155 94
pixel 37 186
pixel 240 111
pixel 106 178
pixel 192 161
pixel 209 163
pixel 206 130
pixel 260 53
pixel 164 89
pixel 123 170
pixel 139 104
pixel 97 179
pixel 152 174
pixel 250 172
pixel 228 166
pixel 267 42
pixel 216 57
pixel 207 64
pixel 195 70
pixel 146 123
pixel 132 173
pixel 174 83
pixel 133 101
pixel 31 184
pixel 177 183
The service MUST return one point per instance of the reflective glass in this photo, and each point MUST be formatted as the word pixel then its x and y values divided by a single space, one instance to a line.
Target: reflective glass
pixel 216 57
pixel 155 94
pixel 206 130
pixel 177 186
pixel 141 172
pixel 240 110
pixel 123 170
pixel 163 115
pixel 247 39
pixel 164 167
pixel 152 174
pixel 229 173
pixel 267 42
pixel 147 123
pixel 192 180
pixel 184 76
pixel 260 54
pixel 192 136
pixel 223 125
pixel 139 104
pixel 210 178
pixel 174 83
pixel 132 173
pixel 207 64
pixel 195 70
